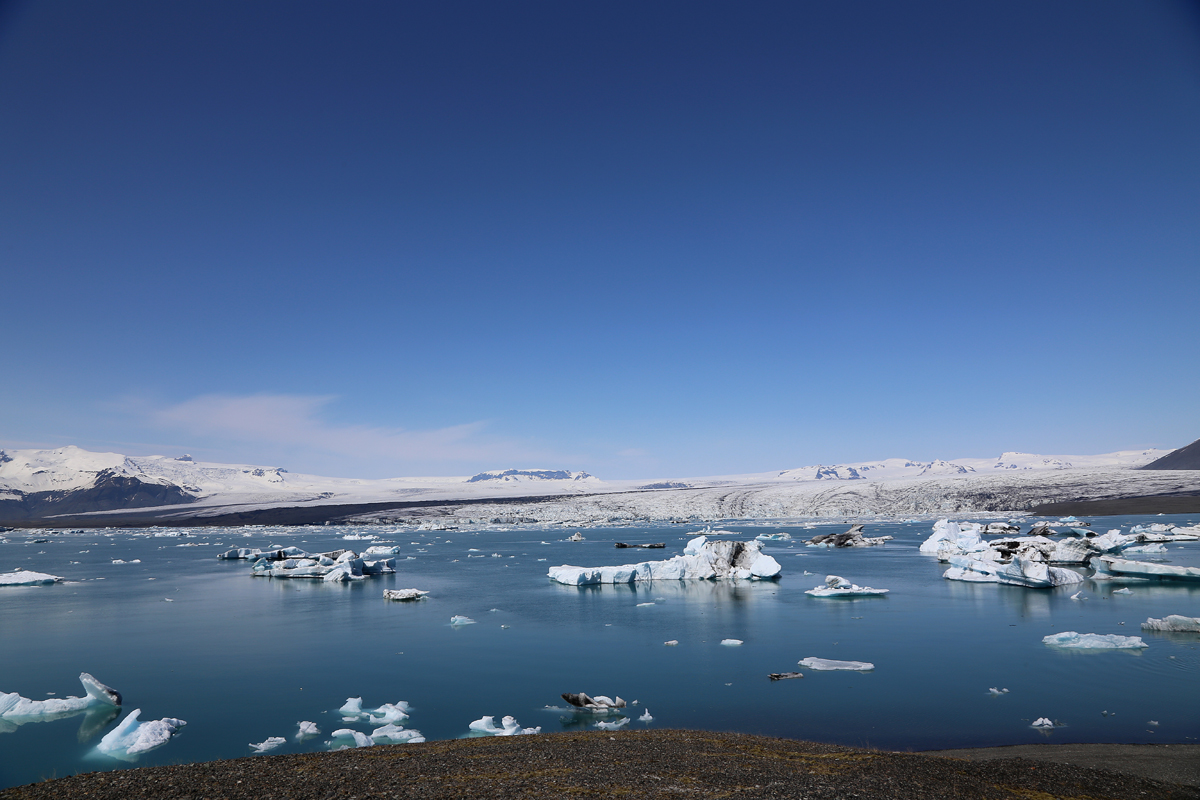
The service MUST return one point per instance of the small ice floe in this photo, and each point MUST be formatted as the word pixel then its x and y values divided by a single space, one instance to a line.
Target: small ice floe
pixel 1110 565
pixel 131 738
pixel 654 546
pixel 645 717
pixel 701 560
pixel 458 620
pixel 575 537
pixel 14 706
pixel 670 642
pixel 397 735
pixel 994 692
pixel 783 676
pixel 508 727
pixel 1093 641
pixel 831 664
pixel 1145 548
pixel 1122 591
pixel 404 595
pixel 1079 595
pixel 270 743
pixel 643 605
pixel 731 642
pixel 123 561
pixel 381 550
pixel 614 725
pixel 353 711
pixel 837 586
pixel 600 704
pixel 774 537
pixel 1152 722
pixel 1042 722
pixel 27 578
pixel 1173 622
pixel 851 538
pixel 307 729
pixel 359 738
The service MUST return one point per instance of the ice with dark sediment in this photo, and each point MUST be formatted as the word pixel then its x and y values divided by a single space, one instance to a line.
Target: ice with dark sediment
pixel 702 559
pixel 404 595
pixel 851 538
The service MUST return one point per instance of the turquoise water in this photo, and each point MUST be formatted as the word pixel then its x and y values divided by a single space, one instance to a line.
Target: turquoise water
pixel 241 659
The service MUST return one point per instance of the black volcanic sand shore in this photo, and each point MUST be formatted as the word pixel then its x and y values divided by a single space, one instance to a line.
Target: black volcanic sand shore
pixel 637 764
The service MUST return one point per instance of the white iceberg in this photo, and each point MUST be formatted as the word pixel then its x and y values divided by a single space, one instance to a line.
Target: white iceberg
pixel 404 594
pixel 307 729
pixel 360 739
pixel 458 620
pixel 381 550
pixel 1173 622
pixel 131 738
pixel 616 724
pixel 26 578
pixel 396 734
pixel 14 706
pixel 645 717
pixel 1042 722
pixel 1019 572
pixel 774 537
pixel 701 560
pixel 837 586
pixel 270 743
pixel 731 642
pixel 388 712
pixel 951 537
pixel 1111 565
pixel 508 727
pixel 671 642
pixel 832 664
pixel 1093 641
pixel 851 538
pixel 997 692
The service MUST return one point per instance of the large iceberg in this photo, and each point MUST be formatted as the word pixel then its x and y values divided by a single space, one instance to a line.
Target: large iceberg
pixel 1173 622
pixel 1094 641
pixel 836 586
pixel 1019 572
pixel 702 559
pixel 953 538
pixel 831 664
pixel 26 578
pixel 131 738
pixel 13 706
pixel 851 538
pixel 600 704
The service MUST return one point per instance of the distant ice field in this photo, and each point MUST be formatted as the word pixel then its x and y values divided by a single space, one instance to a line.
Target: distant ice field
pixel 183 635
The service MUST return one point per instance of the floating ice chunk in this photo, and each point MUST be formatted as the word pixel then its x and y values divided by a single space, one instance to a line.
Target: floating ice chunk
pixel 671 642
pixel 783 676
pixel 837 586
pixel 616 724
pixel 390 712
pixel 575 537
pixel 600 703
pixel 131 738
pixel 831 664
pixel 702 560
pixel 123 561
pixel 1173 622
pixel 645 717
pixel 851 538
pixel 404 594
pixel 1042 722
pixel 352 707
pixel 774 537
pixel 14 706
pixel 1121 591
pixel 997 692
pixel 269 744
pixel 1020 572
pixel 1078 595
pixel 360 739
pixel 1093 641
pixel 26 578
pixel 1145 548
pixel 508 727
pixel 950 536
pixel 381 550
pixel 1152 722
pixel 458 620
pixel 395 733
pixel 1144 569
pixel 307 729
pixel 731 642
pixel 642 605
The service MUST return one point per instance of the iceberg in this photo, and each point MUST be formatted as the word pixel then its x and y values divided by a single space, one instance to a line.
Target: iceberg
pixel 831 664
pixel 600 704
pixel 645 717
pixel 26 578
pixel 783 676
pixel 14 706
pixel 388 712
pixel 508 727
pixel 360 739
pixel 396 734
pixel 774 537
pixel 307 729
pixel 951 537
pixel 458 620
pixel 270 743
pixel 1111 565
pixel 1093 641
pixel 616 724
pixel 731 642
pixel 1042 722
pixel 404 594
pixel 1173 622
pixel 851 538
pixel 701 560
pixel 837 586
pixel 131 738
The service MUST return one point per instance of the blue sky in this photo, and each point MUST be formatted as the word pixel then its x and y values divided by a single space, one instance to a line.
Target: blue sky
pixel 642 239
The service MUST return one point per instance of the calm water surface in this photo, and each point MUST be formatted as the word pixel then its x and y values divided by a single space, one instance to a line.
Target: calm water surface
pixel 242 658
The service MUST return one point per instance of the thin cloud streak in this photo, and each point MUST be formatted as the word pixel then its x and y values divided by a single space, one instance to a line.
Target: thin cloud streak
pixel 295 421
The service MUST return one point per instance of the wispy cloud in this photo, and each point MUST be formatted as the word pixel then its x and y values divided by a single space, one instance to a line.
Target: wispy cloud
pixel 295 421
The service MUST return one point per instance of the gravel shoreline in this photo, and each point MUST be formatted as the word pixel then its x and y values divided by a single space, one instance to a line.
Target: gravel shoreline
pixel 662 763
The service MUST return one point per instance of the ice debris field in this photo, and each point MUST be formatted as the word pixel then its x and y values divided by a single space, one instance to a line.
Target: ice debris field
pixel 917 634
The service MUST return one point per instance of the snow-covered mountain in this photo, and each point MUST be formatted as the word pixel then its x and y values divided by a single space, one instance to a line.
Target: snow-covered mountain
pixel 41 484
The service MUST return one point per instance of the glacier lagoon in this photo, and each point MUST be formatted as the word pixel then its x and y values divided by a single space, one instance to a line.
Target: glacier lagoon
pixel 183 635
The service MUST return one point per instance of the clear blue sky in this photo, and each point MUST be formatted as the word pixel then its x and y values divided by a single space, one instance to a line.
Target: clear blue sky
pixel 642 239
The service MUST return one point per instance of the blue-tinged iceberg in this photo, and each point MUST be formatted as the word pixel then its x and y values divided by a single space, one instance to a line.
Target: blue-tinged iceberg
pixel 701 560
pixel 837 586
pixel 1110 566
pixel 131 738
pixel 26 578
pixel 14 706
pixel 1173 622
pixel 1094 641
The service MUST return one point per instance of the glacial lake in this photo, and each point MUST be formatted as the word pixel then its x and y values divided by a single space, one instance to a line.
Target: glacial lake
pixel 183 634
